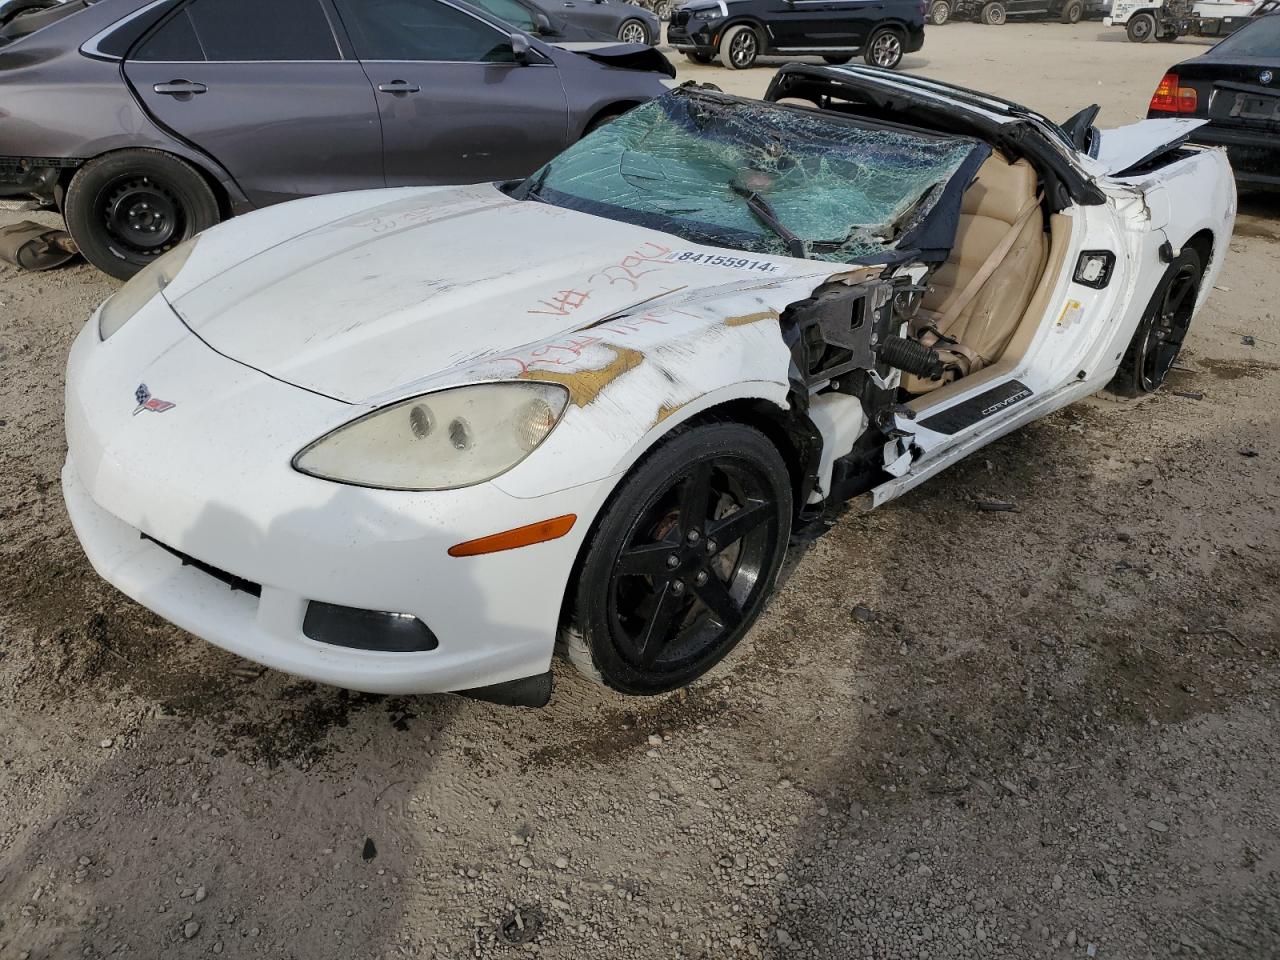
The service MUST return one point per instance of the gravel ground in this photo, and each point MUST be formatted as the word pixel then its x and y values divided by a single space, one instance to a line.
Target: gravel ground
pixel 955 733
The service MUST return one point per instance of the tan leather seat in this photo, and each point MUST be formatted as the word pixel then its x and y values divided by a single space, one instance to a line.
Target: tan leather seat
pixel 991 205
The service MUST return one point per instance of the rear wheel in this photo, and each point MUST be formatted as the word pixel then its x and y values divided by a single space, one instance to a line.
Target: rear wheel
pixel 739 47
pixel 1072 11
pixel 128 208
pixel 1158 340
pixel 994 14
pixel 633 31
pixel 681 561
pixel 884 48
pixel 1140 27
pixel 939 12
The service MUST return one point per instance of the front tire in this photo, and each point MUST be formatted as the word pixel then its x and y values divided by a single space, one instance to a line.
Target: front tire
pixel 126 209
pixel 633 31
pixel 939 12
pixel 1140 27
pixel 681 561
pixel 884 48
pixel 1158 340
pixel 994 14
pixel 1072 11
pixel 739 47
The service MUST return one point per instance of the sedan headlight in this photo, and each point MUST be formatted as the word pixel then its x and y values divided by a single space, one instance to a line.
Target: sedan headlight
pixel 439 441
pixel 145 284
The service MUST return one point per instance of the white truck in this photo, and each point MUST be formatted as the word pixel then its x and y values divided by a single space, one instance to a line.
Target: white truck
pixel 1171 19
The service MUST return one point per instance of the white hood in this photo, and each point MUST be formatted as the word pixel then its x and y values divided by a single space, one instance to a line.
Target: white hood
pixel 425 281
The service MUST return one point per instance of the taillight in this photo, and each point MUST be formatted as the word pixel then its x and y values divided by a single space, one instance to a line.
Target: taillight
pixel 1172 98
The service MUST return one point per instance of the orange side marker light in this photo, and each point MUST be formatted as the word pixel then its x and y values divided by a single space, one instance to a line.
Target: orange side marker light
pixel 539 532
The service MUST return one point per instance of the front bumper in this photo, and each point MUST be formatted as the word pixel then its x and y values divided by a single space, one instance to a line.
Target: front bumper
pixel 694 36
pixel 210 478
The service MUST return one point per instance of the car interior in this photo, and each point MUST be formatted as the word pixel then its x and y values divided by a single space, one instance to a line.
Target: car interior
pixel 982 307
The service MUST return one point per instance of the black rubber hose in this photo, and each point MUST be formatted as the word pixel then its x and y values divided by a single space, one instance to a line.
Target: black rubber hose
pixel 910 356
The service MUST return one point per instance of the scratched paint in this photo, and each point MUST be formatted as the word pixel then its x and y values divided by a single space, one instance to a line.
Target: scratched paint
pixel 585 385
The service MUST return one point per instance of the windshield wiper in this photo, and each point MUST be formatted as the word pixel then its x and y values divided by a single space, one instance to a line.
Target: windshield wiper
pixel 533 190
pixel 764 212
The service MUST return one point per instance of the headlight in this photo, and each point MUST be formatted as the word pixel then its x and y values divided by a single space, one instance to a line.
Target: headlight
pixel 440 441
pixel 145 284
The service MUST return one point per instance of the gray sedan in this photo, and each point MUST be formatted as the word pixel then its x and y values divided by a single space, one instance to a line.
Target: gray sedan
pixel 147 121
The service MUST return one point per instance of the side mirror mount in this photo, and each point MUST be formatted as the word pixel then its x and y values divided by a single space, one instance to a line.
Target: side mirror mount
pixel 520 49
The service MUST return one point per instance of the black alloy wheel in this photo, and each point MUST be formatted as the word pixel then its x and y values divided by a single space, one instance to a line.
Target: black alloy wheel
pixel 994 14
pixel 1163 328
pixel 682 560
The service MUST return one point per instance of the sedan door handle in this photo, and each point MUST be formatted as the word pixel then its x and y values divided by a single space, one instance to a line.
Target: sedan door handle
pixel 398 87
pixel 179 88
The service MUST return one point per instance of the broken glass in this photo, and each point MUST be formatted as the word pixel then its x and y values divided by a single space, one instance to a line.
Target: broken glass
pixel 743 174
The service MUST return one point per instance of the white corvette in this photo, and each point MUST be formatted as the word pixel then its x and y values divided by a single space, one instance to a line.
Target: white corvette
pixel 409 440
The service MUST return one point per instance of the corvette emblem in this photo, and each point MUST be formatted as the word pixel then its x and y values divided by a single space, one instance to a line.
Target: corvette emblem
pixel 1266 76
pixel 147 402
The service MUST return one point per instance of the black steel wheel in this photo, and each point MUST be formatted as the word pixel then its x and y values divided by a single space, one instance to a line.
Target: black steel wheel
pixel 884 48
pixel 1158 340
pixel 994 14
pixel 681 561
pixel 125 209
pixel 739 47
pixel 1140 27
pixel 939 12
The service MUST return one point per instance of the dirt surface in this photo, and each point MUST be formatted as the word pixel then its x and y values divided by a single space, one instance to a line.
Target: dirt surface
pixel 955 733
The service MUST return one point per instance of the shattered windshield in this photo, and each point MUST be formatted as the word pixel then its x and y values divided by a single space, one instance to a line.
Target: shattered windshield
pixel 760 177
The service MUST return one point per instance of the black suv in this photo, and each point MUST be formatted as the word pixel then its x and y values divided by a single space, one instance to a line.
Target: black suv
pixel 738 31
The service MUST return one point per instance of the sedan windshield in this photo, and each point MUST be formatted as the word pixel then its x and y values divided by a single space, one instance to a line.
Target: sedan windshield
pixel 763 177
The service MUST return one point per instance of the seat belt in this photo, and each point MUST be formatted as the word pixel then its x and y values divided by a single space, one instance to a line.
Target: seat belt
pixel 934 330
